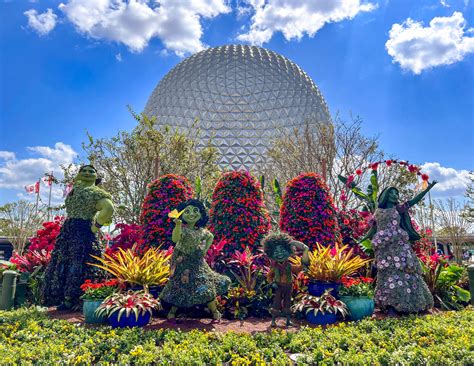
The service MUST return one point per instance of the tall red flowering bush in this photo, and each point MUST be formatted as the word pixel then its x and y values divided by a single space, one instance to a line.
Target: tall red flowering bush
pixel 46 238
pixel 164 195
pixel 38 252
pixel 238 214
pixel 308 213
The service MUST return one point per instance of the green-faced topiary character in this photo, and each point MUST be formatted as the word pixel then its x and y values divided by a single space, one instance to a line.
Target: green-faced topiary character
pixel 88 208
pixel 279 247
pixel 192 281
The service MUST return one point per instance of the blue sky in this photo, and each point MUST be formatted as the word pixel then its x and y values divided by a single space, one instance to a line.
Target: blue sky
pixel 405 67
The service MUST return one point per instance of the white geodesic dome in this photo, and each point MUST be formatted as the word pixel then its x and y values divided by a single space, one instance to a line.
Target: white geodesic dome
pixel 242 96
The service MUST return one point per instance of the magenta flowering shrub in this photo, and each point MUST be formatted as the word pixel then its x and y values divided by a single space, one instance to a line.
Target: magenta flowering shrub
pixel 308 213
pixel 238 214
pixel 164 195
pixel 130 235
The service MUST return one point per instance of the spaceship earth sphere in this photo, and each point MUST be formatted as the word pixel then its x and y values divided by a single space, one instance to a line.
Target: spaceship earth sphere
pixel 242 96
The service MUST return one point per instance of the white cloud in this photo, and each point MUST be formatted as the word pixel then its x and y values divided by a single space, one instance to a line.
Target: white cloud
pixel 135 22
pixel 297 18
pixel 42 23
pixel 451 182
pixel 444 3
pixel 417 48
pixel 118 57
pixel 17 173
pixel 7 155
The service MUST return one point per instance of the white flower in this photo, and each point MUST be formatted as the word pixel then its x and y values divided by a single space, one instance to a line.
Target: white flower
pixel 397 265
pixel 389 258
pixel 396 259
pixel 400 283
pixel 408 290
pixel 392 285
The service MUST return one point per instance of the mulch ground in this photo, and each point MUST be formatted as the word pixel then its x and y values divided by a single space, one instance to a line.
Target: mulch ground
pixel 249 325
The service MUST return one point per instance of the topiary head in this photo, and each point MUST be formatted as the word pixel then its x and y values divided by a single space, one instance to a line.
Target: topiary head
pixel 88 174
pixel 388 196
pixel 277 246
pixel 194 212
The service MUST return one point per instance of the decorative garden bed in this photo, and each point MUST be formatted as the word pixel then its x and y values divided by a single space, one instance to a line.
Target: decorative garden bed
pixel 29 336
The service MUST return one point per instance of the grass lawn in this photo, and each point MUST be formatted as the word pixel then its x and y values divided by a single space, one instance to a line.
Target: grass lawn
pixel 28 336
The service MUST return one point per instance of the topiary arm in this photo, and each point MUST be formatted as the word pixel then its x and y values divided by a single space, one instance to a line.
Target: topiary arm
pixel 304 248
pixel 177 231
pixel 105 209
pixel 370 234
pixel 420 196
pixel 209 240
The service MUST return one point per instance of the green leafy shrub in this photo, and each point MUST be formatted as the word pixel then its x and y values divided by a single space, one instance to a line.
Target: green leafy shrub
pixel 27 336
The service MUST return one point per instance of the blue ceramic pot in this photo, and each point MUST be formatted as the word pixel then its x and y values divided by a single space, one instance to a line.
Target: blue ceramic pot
pixel 88 310
pixel 320 318
pixel 129 321
pixel 359 306
pixel 317 288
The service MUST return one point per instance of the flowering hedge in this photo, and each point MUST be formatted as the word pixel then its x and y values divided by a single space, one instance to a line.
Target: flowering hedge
pixel 238 214
pixel 308 213
pixel 164 195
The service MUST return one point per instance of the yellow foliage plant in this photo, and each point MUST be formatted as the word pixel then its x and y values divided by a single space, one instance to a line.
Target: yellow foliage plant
pixel 330 264
pixel 151 268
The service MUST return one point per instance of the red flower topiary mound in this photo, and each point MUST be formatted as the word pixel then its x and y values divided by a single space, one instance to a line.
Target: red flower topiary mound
pixel 238 214
pixel 308 213
pixel 164 195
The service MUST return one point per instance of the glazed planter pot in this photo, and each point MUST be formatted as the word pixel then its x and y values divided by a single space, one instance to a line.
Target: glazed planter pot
pixel 129 321
pixel 88 310
pixel 317 288
pixel 359 306
pixel 320 318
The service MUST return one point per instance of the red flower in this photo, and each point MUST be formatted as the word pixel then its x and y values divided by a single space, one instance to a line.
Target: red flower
pixel 425 177
pixel 413 168
pixel 388 163
pixel 374 166
pixel 358 171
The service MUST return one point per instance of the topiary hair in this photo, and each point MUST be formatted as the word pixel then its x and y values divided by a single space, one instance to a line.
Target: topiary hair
pixel 271 241
pixel 202 210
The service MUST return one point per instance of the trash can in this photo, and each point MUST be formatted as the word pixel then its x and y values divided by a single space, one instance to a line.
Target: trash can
pixel 7 297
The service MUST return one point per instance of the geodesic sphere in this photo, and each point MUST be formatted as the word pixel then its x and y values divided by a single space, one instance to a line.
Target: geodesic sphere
pixel 243 96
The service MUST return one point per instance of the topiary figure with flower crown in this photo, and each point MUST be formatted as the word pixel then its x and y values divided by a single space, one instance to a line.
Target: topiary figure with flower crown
pixel 400 284
pixel 308 213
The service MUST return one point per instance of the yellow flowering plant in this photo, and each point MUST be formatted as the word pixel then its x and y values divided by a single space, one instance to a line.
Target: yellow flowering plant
pixel 330 264
pixel 151 268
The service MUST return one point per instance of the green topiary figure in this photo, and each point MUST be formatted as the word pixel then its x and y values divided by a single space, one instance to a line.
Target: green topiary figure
pixel 164 195
pixel 238 214
pixel 192 281
pixel 279 247
pixel 88 208
pixel 308 213
pixel 400 283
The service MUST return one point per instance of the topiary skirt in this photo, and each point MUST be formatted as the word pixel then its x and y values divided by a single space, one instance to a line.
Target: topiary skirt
pixel 68 270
